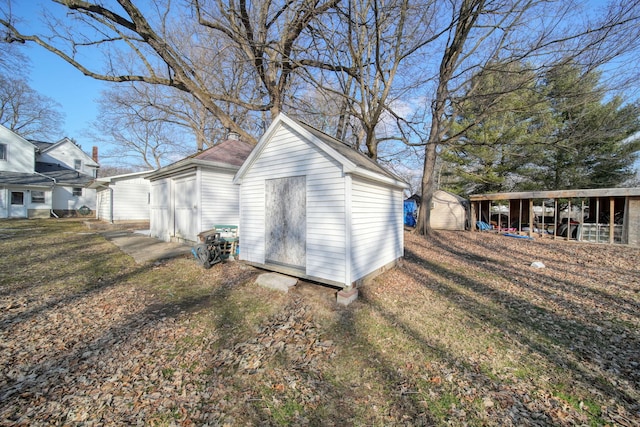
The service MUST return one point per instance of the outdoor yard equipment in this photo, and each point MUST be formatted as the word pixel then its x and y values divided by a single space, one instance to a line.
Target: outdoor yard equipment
pixel 217 245
pixel 209 252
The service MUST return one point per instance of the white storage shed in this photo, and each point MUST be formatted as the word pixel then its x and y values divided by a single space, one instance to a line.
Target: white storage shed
pixel 123 197
pixel 313 207
pixel 196 194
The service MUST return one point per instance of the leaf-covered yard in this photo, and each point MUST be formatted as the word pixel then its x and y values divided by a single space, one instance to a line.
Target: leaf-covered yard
pixel 464 332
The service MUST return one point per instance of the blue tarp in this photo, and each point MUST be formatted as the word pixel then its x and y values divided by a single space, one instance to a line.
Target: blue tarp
pixel 410 213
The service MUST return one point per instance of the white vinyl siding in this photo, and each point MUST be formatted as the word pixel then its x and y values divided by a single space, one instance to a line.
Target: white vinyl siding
pixel 288 155
pixel 220 203
pixel 20 153
pixel 131 199
pixel 103 204
pixel 377 226
pixel 63 198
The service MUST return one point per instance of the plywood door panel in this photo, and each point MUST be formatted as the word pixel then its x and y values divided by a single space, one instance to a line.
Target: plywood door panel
pixel 286 221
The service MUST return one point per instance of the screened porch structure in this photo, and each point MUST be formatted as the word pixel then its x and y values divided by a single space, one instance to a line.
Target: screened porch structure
pixel 607 215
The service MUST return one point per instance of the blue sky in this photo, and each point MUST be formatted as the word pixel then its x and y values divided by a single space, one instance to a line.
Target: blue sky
pixel 76 93
pixel 52 77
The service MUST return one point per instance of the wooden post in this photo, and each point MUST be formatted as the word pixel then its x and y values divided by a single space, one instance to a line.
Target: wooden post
pixel 579 236
pixel 597 219
pixel 473 216
pixel 555 218
pixel 569 220
pixel 612 207
pixel 542 230
pixel 530 217
pixel 489 213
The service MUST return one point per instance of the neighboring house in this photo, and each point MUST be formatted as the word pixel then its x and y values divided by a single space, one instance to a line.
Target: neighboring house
pixel 313 207
pixel 123 197
pixel 197 193
pixel 38 179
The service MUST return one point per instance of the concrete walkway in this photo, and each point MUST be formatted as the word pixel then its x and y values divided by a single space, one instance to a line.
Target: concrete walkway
pixel 143 248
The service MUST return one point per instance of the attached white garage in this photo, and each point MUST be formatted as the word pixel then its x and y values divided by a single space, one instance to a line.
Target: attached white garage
pixel 197 193
pixel 122 197
pixel 313 207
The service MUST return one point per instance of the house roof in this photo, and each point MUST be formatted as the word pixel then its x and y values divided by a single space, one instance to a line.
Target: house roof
pixel 43 147
pixel 63 175
pixel 228 155
pixel 351 160
pixel 25 179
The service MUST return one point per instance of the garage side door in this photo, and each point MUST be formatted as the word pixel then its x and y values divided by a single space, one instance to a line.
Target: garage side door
pixel 159 215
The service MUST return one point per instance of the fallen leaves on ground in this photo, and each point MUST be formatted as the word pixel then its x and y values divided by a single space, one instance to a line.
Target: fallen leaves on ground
pixel 464 332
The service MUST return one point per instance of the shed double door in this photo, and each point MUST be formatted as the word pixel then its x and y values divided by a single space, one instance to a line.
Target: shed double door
pixel 286 221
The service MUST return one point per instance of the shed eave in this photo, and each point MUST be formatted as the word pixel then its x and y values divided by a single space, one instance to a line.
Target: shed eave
pixel 379 178
pixel 188 166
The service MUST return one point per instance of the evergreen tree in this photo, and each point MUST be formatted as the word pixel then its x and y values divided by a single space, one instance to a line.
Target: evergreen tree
pixel 587 148
pixel 550 133
pixel 500 117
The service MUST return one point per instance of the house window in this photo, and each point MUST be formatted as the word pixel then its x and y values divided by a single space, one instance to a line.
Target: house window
pixel 77 164
pixel 3 151
pixel 77 191
pixel 17 198
pixel 37 197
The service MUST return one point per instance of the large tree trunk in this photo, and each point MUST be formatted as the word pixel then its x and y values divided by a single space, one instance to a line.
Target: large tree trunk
pixel 428 188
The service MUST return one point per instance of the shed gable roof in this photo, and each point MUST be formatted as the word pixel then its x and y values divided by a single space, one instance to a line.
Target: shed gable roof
pixel 350 160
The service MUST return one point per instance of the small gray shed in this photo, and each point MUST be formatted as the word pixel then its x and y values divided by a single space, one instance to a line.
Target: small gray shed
pixel 313 207
pixel 449 211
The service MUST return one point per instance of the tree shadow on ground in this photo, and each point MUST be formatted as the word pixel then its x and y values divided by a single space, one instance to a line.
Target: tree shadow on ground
pixel 594 360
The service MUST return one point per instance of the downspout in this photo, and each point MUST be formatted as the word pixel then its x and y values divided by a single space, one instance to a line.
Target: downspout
pixel 52 188
pixel 111 204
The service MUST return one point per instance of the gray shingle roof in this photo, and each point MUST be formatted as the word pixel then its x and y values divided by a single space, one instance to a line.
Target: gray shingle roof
pixel 25 179
pixel 63 175
pixel 348 152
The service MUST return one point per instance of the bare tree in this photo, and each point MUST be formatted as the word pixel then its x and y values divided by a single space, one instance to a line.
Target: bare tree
pixel 376 42
pixel 28 113
pixel 541 32
pixel 142 136
pixel 268 40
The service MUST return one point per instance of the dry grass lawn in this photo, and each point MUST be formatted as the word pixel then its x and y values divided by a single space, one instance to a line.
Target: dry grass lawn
pixel 465 332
